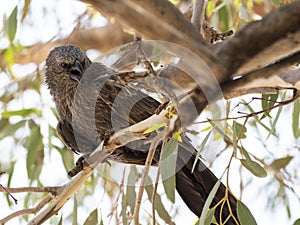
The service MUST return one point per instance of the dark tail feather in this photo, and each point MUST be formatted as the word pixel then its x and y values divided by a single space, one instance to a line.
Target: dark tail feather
pixel 195 187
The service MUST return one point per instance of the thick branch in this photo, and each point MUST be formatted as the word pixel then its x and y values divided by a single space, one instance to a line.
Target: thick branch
pixel 102 39
pixel 167 12
pixel 199 8
pixel 257 36
pixel 157 28
pixel 271 76
pixel 119 138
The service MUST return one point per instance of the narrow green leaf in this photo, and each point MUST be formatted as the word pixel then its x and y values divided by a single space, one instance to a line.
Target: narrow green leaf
pixel 3 122
pixel 123 211
pixel 205 211
pixel 273 98
pixel 297 222
pixel 168 167
pixel 25 9
pixel 159 206
pixel 234 138
pixel 8 129
pixel 130 189
pixel 295 121
pixel 154 128
pixel 12 25
pixel 208 128
pixel 209 217
pixel 21 112
pixel 209 8
pixel 264 101
pixel 246 154
pixel 60 221
pixel 223 18
pixel 273 125
pixel 257 120
pixel 201 147
pixel 35 155
pixel 10 173
pixel 92 218
pixel 254 168
pixel 268 102
pixel 281 163
pixel 239 130
pixel 244 215
pixel 177 136
pixel 220 130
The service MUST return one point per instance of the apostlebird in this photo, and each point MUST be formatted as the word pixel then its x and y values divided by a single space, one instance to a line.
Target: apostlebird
pixel 89 108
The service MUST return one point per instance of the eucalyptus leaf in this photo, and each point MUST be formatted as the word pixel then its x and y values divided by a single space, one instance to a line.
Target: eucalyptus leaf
pixel 297 222
pixel 159 206
pixel 130 189
pixel 21 112
pixel 25 11
pixel 205 214
pixel 168 167
pixel 12 24
pixel 200 149
pixel 8 129
pixel 123 211
pixel 281 163
pixel 92 218
pixel 35 155
pixel 254 168
pixel 244 215
pixel 209 217
pixel 239 130
pixel 154 127
pixel 295 119
pixel 60 221
pixel 268 101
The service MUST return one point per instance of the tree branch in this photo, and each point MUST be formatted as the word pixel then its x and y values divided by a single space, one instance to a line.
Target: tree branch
pixel 27 211
pixel 102 39
pixel 54 189
pixel 256 37
pixel 155 28
pixel 153 146
pixel 199 8
pixel 271 76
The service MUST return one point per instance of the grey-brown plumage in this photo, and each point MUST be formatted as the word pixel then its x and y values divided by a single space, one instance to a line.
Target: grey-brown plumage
pixel 90 102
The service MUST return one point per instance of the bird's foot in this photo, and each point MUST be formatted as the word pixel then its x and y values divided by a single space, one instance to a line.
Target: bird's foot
pixel 78 166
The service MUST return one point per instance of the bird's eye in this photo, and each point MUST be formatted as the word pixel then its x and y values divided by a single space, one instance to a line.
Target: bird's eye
pixel 64 65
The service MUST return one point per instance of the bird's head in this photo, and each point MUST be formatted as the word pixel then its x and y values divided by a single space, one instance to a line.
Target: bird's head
pixel 65 65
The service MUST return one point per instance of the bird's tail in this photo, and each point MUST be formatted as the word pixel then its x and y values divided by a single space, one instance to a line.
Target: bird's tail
pixel 194 188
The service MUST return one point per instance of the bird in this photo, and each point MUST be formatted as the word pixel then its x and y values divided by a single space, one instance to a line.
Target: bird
pixel 87 114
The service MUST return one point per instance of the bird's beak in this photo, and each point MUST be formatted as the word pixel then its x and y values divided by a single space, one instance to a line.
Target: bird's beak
pixel 76 71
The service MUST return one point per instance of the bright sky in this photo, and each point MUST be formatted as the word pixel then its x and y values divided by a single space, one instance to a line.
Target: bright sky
pixel 47 27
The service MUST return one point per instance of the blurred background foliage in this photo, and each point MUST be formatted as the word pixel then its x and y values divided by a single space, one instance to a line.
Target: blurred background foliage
pixel 33 155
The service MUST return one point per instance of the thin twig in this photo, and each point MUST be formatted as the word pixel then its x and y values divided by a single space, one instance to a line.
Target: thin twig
pixel 245 115
pixel 27 211
pixel 4 189
pixel 153 199
pixel 148 162
pixel 54 189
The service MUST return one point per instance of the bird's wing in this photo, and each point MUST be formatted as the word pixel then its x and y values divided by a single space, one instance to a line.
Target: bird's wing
pixel 78 142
